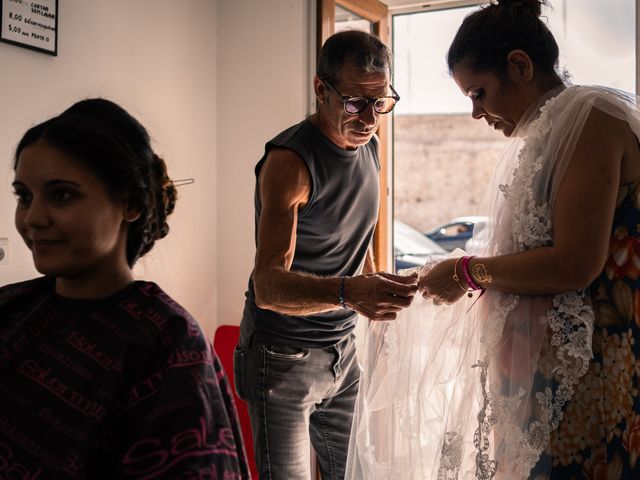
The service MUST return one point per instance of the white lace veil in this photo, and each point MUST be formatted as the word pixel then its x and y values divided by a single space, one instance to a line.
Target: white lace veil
pixel 473 390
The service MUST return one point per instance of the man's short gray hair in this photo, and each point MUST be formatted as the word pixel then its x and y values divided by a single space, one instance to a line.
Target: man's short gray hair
pixel 362 49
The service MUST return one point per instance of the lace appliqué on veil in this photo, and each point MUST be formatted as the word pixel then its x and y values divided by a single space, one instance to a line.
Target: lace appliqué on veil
pixel 570 320
pixel 451 457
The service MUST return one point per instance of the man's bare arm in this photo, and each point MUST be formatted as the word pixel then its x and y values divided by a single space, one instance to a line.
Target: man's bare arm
pixel 285 187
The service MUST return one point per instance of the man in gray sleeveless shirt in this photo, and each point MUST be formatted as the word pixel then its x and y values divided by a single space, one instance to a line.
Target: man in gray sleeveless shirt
pixel 316 205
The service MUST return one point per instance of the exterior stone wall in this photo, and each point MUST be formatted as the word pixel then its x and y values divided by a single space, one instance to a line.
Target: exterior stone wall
pixel 442 165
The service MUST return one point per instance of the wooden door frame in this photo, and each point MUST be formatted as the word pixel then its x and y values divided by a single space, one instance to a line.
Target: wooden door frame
pixel 378 14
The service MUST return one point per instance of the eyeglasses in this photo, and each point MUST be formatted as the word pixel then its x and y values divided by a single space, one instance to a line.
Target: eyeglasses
pixel 356 105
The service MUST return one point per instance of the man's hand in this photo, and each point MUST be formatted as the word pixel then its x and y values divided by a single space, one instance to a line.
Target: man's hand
pixel 379 296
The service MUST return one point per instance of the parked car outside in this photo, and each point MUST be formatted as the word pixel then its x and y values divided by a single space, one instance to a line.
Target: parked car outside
pixel 456 232
pixel 475 245
pixel 411 248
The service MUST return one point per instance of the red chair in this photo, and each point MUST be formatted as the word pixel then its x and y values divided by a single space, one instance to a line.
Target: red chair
pixel 224 342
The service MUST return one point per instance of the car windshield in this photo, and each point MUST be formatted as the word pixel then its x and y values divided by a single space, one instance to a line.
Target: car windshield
pixel 408 241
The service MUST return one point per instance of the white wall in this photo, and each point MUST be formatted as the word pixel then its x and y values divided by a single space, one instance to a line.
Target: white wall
pixel 212 80
pixel 263 87
pixel 157 58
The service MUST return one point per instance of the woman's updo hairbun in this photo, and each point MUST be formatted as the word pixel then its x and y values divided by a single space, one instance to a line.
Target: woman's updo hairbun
pixel 486 37
pixel 158 200
pixel 166 194
pixel 533 6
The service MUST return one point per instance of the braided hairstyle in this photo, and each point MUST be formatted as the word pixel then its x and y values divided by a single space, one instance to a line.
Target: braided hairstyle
pixel 117 149
pixel 486 37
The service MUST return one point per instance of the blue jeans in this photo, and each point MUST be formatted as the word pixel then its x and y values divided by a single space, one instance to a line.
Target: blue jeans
pixel 298 398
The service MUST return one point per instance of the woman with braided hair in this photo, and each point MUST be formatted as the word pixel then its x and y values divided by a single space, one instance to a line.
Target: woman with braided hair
pixel 101 375
pixel 522 362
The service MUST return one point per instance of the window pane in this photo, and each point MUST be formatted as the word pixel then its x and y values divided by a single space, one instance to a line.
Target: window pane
pixel 420 44
pixel 442 157
pixel 597 41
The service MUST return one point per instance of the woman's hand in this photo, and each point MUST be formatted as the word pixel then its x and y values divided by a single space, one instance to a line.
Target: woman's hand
pixel 438 283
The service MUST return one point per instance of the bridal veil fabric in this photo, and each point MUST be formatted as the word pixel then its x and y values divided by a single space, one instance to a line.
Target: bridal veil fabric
pixel 473 390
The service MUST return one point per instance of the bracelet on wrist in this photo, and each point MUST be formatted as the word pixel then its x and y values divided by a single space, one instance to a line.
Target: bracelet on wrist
pixel 467 275
pixel 457 278
pixel 341 293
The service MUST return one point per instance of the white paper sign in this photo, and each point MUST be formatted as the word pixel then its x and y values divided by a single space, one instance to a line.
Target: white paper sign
pixel 31 24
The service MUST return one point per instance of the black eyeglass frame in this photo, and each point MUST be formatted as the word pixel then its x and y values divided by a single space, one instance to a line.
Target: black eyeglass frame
pixel 370 101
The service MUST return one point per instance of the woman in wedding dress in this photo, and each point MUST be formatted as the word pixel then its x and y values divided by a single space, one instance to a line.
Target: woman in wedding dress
pixel 521 362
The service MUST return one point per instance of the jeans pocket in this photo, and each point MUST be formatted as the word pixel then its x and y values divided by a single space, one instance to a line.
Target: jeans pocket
pixel 286 353
pixel 238 372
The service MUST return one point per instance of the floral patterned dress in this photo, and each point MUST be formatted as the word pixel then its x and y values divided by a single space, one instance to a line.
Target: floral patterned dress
pixel 599 436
